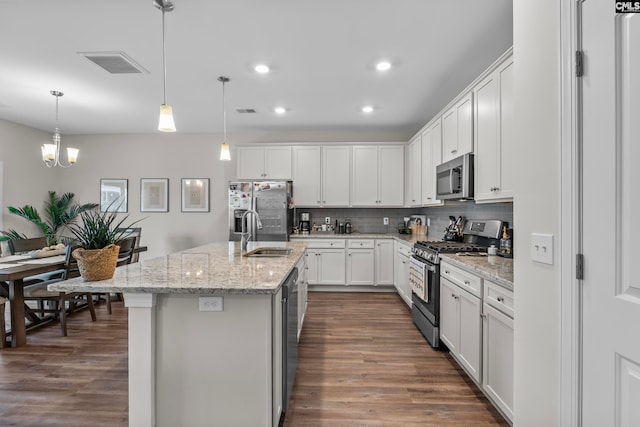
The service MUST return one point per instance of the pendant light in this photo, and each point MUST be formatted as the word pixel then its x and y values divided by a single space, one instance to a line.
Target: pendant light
pixel 51 152
pixel 225 153
pixel 165 122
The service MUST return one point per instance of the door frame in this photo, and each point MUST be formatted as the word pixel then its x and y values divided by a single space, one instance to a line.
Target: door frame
pixel 570 215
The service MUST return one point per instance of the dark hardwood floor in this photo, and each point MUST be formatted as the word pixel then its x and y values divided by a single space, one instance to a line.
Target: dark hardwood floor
pixel 361 364
pixel 78 380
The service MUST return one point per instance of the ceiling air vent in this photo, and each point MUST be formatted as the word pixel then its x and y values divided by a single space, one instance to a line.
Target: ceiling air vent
pixel 246 110
pixel 115 62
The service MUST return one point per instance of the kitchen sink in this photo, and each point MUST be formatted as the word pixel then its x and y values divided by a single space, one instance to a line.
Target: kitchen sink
pixel 269 252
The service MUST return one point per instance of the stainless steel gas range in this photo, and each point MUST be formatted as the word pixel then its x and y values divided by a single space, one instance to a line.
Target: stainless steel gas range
pixel 424 272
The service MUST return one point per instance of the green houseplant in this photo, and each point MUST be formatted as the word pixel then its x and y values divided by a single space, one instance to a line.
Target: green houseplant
pixel 60 211
pixel 98 236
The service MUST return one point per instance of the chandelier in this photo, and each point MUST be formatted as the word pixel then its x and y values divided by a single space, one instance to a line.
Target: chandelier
pixel 51 152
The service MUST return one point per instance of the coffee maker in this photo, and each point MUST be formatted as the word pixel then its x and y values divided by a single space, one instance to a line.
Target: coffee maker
pixel 305 222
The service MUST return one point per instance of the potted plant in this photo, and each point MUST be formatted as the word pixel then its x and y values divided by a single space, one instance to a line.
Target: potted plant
pixel 60 211
pixel 98 236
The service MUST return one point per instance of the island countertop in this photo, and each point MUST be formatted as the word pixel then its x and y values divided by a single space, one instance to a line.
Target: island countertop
pixel 216 268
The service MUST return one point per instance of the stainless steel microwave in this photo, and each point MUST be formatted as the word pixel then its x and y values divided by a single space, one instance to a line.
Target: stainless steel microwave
pixel 454 179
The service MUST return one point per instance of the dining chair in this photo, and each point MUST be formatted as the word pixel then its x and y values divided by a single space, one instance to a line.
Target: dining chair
pixel 18 246
pixel 3 326
pixel 57 301
pixel 125 256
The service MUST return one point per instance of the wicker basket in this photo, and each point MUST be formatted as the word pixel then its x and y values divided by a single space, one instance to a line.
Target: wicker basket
pixel 97 264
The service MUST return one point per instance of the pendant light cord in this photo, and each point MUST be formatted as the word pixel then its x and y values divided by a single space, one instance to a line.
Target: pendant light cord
pixel 164 62
pixel 224 113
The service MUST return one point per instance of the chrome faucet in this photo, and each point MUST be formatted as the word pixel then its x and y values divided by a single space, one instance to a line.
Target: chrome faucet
pixel 246 236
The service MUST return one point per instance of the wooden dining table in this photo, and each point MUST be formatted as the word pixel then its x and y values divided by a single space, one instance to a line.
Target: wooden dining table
pixel 13 270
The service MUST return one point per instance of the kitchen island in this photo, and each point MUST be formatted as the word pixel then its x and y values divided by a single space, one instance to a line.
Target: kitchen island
pixel 204 334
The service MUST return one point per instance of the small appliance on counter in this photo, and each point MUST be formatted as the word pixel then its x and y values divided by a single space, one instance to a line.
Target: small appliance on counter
pixel 305 222
pixel 348 229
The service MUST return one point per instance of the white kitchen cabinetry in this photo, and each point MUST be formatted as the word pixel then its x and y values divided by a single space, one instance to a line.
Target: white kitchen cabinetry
pixel 401 270
pixel 302 292
pixel 377 178
pixel 336 176
pixel 360 262
pixel 415 165
pixel 494 133
pixel 431 158
pixel 457 129
pixel 321 176
pixel 307 176
pixel 384 261
pixel 273 162
pixel 326 262
pixel 497 381
pixel 460 317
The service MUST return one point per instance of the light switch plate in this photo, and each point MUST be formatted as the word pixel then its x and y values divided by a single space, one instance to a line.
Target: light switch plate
pixel 542 248
pixel 210 303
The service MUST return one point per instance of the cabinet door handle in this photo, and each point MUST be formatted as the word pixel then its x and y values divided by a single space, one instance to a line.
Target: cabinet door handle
pixel 454 151
pixel 453 295
pixel 324 201
pixel 446 272
pixel 500 299
pixel 466 282
pixel 318 202
pixel 484 316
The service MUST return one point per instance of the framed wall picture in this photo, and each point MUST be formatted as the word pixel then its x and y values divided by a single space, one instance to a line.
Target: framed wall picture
pixel 154 195
pixel 195 194
pixel 113 195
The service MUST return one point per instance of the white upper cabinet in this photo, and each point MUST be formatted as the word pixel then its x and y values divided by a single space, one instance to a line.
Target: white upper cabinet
pixel 336 176
pixel 377 176
pixel 457 129
pixel 307 176
pixel 494 133
pixel 272 162
pixel 415 165
pixel 321 176
pixel 431 157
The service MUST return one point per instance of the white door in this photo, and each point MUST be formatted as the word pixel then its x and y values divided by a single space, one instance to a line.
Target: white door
pixel 611 202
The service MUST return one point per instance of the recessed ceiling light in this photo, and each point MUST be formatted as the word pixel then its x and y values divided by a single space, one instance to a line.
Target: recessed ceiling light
pixel 262 68
pixel 367 109
pixel 383 65
pixel 280 110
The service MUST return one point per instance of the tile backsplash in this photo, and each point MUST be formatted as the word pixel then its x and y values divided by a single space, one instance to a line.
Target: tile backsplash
pixel 370 220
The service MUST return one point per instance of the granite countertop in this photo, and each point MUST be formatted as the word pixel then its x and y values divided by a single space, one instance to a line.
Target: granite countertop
pixel 494 268
pixel 217 268
pixel 404 238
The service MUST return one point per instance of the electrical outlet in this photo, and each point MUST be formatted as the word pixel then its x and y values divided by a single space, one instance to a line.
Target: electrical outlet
pixel 385 220
pixel 327 220
pixel 428 222
pixel 210 303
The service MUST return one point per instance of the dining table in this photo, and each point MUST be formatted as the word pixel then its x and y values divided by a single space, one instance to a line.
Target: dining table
pixel 14 269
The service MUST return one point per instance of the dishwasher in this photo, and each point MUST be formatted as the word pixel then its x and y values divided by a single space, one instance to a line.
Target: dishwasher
pixel 289 335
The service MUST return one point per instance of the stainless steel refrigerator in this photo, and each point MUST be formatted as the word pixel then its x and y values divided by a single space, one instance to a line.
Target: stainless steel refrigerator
pixel 273 202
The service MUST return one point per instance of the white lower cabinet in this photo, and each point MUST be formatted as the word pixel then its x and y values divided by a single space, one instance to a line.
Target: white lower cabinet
pixel 401 270
pixel 497 380
pixel 325 261
pixel 461 326
pixel 360 262
pixel 302 292
pixel 476 324
pixel 384 262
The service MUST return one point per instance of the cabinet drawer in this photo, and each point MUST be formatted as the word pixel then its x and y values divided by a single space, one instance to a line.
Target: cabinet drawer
pixel 360 243
pixel 498 297
pixel 404 249
pixel 326 243
pixel 462 278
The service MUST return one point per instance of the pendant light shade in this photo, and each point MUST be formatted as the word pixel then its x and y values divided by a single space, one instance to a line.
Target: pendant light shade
pixel 51 152
pixel 225 153
pixel 165 121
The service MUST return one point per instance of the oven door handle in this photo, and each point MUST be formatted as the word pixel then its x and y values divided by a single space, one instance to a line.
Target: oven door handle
pixel 431 268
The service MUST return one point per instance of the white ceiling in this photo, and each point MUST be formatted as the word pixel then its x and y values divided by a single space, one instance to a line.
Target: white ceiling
pixel 322 55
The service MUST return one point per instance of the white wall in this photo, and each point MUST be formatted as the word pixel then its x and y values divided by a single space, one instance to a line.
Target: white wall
pixel 136 156
pixel 25 178
pixel 536 209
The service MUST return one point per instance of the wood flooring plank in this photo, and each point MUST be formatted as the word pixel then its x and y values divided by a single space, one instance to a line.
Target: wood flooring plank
pixel 362 362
